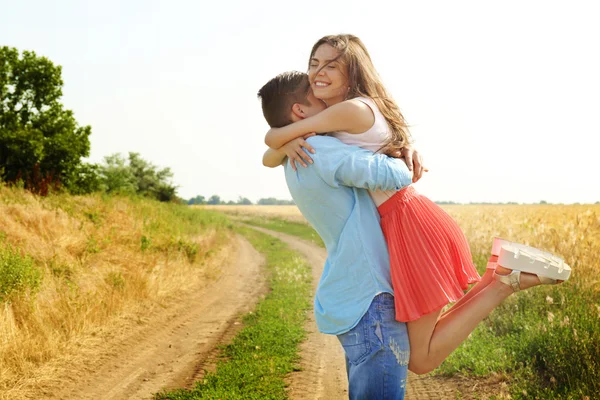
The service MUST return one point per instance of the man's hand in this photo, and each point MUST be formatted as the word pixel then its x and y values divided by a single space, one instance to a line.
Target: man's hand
pixel 294 150
pixel 413 160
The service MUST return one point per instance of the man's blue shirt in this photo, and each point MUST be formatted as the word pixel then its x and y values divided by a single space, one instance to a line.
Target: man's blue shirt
pixel 331 194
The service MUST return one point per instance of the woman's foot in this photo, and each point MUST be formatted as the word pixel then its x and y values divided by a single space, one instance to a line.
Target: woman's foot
pixel 520 280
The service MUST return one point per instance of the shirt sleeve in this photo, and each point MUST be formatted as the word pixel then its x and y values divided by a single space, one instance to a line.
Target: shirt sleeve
pixel 340 164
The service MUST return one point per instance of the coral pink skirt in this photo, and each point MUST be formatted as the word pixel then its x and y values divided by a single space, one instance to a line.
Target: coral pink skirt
pixel 430 259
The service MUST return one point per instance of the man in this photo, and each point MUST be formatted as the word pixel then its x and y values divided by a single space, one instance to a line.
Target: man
pixel 354 297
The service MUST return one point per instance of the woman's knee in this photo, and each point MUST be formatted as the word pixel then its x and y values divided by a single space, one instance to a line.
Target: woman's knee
pixel 420 367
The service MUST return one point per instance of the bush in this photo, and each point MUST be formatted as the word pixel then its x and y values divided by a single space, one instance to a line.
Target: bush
pixel 18 274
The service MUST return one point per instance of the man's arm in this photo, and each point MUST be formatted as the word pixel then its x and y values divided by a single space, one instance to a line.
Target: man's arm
pixel 340 164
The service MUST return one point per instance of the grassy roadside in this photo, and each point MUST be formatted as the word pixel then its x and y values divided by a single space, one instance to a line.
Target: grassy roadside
pixel 303 231
pixel 545 342
pixel 72 267
pixel 255 364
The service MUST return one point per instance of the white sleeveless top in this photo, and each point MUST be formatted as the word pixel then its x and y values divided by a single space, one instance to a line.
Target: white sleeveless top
pixel 373 139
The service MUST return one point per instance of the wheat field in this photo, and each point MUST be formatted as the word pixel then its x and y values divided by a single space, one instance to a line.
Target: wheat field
pixel 570 231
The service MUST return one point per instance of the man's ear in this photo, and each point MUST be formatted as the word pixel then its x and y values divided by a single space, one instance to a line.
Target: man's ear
pixel 298 111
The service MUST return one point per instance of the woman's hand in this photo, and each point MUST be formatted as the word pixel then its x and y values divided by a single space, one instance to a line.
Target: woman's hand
pixel 294 150
pixel 413 160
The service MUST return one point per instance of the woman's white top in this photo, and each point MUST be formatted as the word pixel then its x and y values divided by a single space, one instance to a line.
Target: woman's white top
pixel 373 139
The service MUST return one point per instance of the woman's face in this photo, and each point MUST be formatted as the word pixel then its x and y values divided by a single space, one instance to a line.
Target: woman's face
pixel 330 83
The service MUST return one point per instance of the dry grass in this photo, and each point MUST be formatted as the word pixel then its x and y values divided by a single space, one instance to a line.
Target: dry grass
pixel 572 231
pixel 101 258
pixel 288 213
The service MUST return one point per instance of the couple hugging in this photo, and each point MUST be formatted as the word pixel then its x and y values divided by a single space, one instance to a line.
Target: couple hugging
pixel 395 258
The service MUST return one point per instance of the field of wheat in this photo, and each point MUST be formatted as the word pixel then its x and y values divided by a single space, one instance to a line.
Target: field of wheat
pixel 542 343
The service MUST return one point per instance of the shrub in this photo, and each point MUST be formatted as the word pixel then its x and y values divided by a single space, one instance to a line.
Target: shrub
pixel 18 274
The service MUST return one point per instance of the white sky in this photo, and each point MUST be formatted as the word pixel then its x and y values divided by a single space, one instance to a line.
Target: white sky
pixel 503 97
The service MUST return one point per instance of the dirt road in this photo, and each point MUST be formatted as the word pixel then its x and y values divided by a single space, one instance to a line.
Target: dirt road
pixel 323 372
pixel 171 349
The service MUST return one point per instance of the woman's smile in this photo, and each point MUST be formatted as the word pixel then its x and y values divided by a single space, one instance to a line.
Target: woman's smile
pixel 328 76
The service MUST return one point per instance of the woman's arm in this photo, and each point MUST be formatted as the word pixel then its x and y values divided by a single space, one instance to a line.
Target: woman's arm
pixel 294 150
pixel 351 116
pixel 273 158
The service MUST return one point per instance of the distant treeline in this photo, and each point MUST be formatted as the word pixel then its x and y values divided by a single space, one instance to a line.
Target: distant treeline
pixel 270 201
pixel 216 200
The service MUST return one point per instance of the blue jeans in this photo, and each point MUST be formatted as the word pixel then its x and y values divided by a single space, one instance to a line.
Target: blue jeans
pixel 377 353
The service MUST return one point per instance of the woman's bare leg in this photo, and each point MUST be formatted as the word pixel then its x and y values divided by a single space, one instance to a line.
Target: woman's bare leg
pixel 486 279
pixel 433 339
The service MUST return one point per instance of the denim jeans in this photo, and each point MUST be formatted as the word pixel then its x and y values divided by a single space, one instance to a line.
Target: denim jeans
pixel 377 353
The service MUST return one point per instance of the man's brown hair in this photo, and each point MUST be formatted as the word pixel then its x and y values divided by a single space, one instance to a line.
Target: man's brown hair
pixel 280 94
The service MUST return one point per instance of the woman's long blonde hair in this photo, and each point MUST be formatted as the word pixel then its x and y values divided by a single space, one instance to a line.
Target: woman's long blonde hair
pixel 364 81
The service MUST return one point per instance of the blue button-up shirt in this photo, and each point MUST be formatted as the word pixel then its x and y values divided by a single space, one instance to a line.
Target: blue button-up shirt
pixel 331 194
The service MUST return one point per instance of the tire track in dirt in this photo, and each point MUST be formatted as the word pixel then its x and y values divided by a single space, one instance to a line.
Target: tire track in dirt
pixel 323 369
pixel 171 349
pixel 323 374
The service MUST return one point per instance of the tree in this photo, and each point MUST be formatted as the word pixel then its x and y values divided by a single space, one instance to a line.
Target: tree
pixel 244 201
pixel 116 176
pixel 197 200
pixel 40 142
pixel 151 181
pixel 214 199
pixel 136 176
pixel 85 178
pixel 273 201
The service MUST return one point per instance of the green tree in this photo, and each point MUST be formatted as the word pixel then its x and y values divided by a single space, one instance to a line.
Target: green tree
pixel 150 180
pixel 214 199
pixel 270 201
pixel 85 178
pixel 197 200
pixel 116 176
pixel 40 142
pixel 244 201
pixel 134 175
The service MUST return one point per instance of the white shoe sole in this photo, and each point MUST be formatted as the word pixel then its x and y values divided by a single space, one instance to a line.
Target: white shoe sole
pixel 533 261
pixel 499 242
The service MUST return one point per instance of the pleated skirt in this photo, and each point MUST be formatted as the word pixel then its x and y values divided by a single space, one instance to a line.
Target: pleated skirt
pixel 430 259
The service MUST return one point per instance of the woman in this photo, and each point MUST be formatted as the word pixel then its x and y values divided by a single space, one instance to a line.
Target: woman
pixel 430 260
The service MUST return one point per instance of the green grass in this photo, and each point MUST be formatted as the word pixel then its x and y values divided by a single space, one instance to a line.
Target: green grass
pixel 255 364
pixel 18 274
pixel 549 348
pixel 300 230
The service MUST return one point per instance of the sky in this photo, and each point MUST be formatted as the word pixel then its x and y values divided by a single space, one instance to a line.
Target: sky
pixel 503 98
